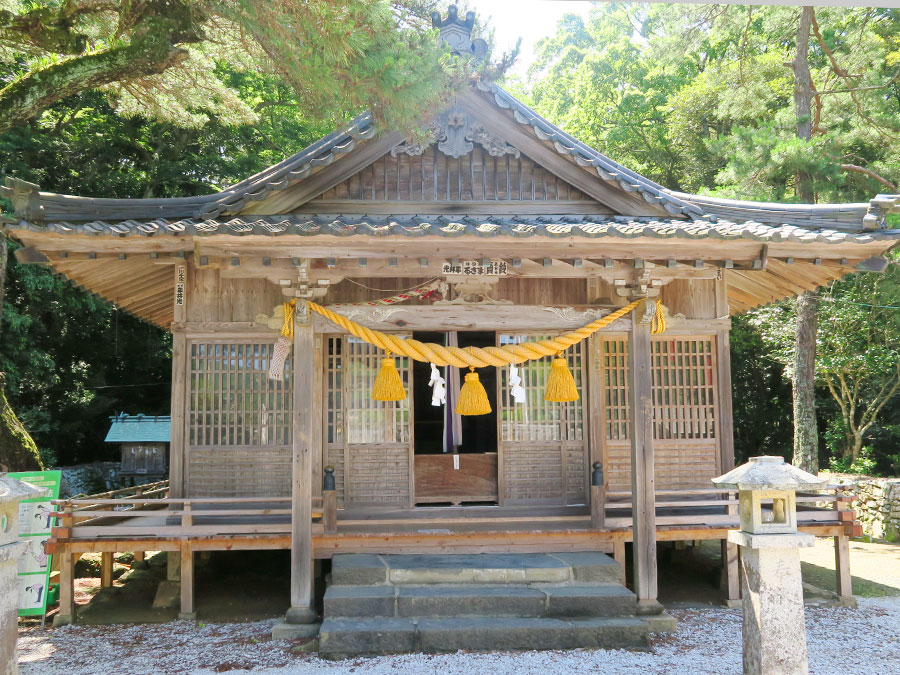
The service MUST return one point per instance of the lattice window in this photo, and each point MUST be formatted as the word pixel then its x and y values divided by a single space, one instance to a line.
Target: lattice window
pixel 371 421
pixel 683 394
pixel 615 388
pixel 334 411
pixel 683 388
pixel 232 402
pixel 537 419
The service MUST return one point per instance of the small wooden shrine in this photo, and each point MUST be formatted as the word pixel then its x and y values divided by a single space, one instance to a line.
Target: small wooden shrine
pixel 497 230
pixel 144 444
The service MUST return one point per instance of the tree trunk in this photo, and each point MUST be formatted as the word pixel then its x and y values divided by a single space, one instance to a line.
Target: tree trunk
pixel 803 97
pixel 18 451
pixel 806 436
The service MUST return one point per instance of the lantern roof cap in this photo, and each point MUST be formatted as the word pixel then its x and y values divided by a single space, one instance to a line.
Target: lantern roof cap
pixel 768 473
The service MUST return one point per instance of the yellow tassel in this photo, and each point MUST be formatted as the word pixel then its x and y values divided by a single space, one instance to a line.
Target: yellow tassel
pixel 560 383
pixel 388 384
pixel 473 399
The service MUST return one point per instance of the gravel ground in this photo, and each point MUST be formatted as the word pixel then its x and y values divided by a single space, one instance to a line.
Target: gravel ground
pixel 708 642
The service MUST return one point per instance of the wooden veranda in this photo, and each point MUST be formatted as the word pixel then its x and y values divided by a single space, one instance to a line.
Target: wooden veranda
pixel 188 526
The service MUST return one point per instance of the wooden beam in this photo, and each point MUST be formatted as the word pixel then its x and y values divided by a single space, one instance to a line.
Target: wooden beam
pixel 302 609
pixel 643 482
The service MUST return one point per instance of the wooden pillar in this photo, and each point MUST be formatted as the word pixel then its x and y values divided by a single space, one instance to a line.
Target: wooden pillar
pixel 66 614
pixel 302 610
pixel 179 385
pixel 725 414
pixel 139 556
pixel 187 584
pixel 731 561
pixel 643 482
pixel 106 569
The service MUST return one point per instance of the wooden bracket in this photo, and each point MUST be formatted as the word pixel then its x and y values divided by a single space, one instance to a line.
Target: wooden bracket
pixel 641 286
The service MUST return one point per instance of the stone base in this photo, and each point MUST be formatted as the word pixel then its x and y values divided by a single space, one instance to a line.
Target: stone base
pixel 307 647
pixel 63 620
pixel 300 615
pixel 661 623
pixel 734 603
pixel 774 631
pixel 295 631
pixel 168 595
pixel 648 608
pixel 848 601
pixel 187 616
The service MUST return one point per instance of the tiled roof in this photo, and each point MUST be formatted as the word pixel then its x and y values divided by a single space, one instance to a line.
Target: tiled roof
pixel 450 226
pixel 139 429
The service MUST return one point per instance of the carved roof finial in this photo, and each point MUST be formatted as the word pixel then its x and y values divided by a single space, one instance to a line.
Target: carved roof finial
pixel 457 33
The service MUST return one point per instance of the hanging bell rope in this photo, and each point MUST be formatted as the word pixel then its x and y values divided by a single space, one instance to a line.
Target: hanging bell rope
pixel 283 343
pixel 475 357
pixel 473 399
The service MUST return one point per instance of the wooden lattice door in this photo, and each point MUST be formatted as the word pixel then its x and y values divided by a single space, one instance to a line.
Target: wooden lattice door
pixel 369 443
pixel 543 445
pixel 238 423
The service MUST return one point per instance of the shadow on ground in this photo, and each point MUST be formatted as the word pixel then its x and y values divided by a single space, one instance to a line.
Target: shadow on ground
pixel 230 586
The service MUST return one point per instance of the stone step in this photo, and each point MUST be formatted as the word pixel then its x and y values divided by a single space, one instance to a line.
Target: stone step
pixel 339 638
pixel 569 600
pixel 365 569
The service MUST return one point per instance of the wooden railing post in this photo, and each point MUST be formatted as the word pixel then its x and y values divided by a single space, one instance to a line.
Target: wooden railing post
pixel 598 497
pixel 329 502
pixel 842 548
pixel 66 613
pixel 106 569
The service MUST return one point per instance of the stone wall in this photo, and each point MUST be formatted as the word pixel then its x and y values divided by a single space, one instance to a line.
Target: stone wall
pixel 877 507
pixel 89 478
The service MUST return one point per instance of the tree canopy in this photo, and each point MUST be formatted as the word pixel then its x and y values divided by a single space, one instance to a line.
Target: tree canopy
pixel 701 98
pixel 162 58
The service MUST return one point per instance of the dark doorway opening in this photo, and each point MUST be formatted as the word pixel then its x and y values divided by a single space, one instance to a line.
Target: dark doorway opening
pixel 479 432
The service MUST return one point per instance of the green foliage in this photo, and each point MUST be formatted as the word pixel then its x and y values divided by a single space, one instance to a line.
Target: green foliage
pixel 699 97
pixel 160 58
pixel 762 399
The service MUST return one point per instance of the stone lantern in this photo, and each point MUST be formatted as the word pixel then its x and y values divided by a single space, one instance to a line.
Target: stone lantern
pixel 774 629
pixel 12 492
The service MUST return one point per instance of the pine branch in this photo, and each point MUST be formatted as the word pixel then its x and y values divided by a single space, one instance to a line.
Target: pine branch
pixel 871 174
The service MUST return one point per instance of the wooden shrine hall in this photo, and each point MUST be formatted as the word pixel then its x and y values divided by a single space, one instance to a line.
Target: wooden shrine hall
pixel 498 229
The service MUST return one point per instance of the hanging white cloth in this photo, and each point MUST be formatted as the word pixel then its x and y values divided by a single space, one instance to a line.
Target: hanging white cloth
pixel 438 387
pixel 517 391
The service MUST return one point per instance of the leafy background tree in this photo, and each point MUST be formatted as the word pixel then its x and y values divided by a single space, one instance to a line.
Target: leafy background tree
pixel 702 98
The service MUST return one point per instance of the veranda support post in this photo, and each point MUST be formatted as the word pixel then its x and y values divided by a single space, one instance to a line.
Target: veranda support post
pixel 302 610
pixel 643 483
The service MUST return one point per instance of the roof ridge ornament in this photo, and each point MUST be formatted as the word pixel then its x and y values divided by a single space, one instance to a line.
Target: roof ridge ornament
pixel 457 33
